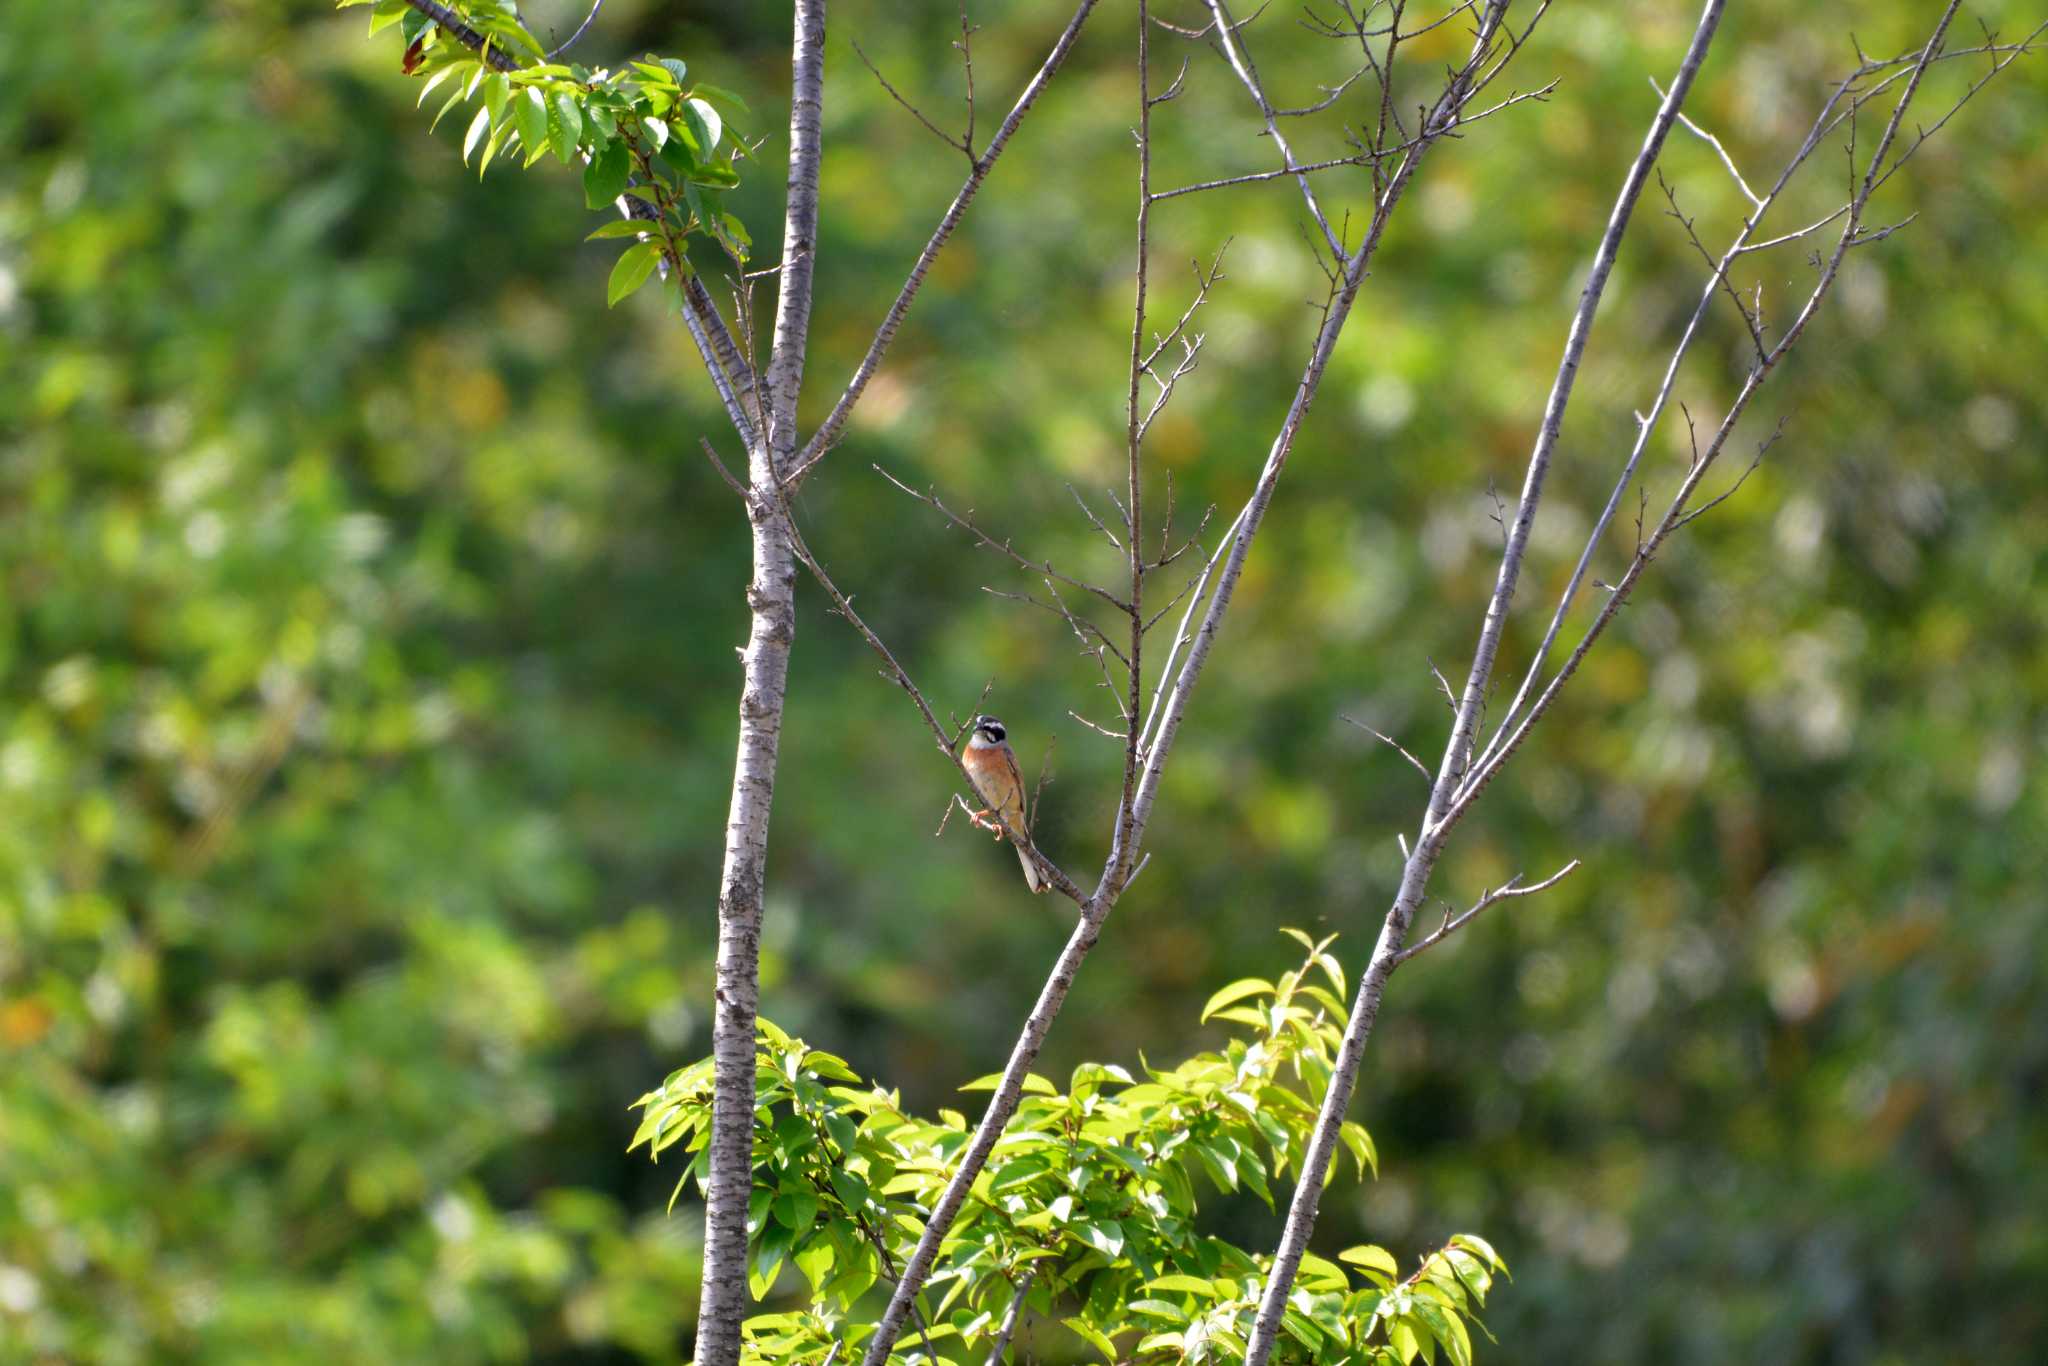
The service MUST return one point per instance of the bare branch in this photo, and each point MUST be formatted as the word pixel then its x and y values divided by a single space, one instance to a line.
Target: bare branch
pixel 967 524
pixel 1120 736
pixel 1134 437
pixel 1241 62
pixel 835 422
pixel 966 46
pixel 1163 723
pixel 595 6
pixel 897 674
pixel 1256 177
pixel 1093 520
pixel 1508 740
pixel 1511 888
pixel 957 144
pixel 799 237
pixel 2010 53
pixel 1457 753
pixel 1444 686
pixel 1010 1317
pixel 1762 449
pixel 731 481
pixel 1315 1163
pixel 1083 627
pixel 1715 143
pixel 1392 743
pixel 1204 282
pixel 1750 320
pixel 1331 94
pixel 1846 98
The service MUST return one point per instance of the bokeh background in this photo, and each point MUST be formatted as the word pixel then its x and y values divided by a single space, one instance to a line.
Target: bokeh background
pixel 367 687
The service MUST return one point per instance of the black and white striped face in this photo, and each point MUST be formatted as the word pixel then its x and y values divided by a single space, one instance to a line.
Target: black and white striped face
pixel 988 733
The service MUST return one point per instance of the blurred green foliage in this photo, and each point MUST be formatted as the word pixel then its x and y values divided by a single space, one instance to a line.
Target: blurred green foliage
pixel 366 689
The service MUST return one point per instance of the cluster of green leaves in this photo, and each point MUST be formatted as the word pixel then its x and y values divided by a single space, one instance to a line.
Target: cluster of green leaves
pixel 1090 1199
pixel 647 132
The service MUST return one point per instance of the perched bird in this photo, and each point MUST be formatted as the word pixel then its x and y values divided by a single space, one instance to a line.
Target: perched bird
pixel 993 765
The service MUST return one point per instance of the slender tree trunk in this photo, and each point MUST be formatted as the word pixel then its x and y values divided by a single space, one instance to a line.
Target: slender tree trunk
pixel 771 595
pixel 722 1304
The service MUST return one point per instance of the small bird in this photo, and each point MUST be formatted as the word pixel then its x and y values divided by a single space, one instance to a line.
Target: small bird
pixel 993 765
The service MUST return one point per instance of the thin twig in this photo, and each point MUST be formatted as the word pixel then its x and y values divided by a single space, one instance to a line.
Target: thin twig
pixel 897 674
pixel 1511 888
pixel 1715 143
pixel 958 144
pixel 1392 743
pixel 595 6
pixel 731 482
pixel 967 524
pixel 835 422
pixel 1241 62
pixel 1010 1316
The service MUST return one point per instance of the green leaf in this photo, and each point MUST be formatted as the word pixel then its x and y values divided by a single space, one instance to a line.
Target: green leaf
pixel 1021 1172
pixel 1033 1083
pixel 656 130
pixel 1158 1309
pixel 675 68
pixel 633 267
pixel 532 117
pixel 1406 1342
pixel 446 105
pixel 605 175
pixel 1457 1342
pixel 815 1262
pixel 795 1211
pixel 1361 1145
pixel 704 123
pixel 1298 1326
pixel 479 128
pixel 1193 1285
pixel 736 235
pixel 497 94
pixel 1221 1165
pixel 1106 1237
pixel 722 95
pixel 1438 1323
pixel 620 227
pixel 500 137
pixel 718 175
pixel 1376 1261
pixel 767 1263
pixel 1479 1248
pixel 830 1065
pixel 565 125
pixel 1236 991
pixel 852 1190
pixel 858 1268
pixel 1320 1275
pixel 1094 1338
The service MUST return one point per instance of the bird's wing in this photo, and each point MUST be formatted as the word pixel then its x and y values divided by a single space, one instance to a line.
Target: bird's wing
pixel 1012 779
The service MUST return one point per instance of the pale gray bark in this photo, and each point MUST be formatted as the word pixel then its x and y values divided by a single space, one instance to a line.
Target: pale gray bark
pixel 1223 573
pixel 771 596
pixel 1459 779
pixel 835 422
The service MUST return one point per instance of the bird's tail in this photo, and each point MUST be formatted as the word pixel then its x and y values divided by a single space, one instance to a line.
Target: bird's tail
pixel 1031 878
